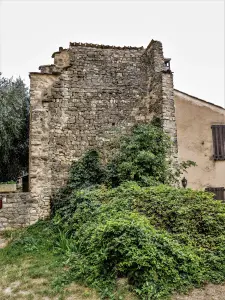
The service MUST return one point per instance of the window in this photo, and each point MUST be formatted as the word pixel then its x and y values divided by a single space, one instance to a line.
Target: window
pixel 218 133
pixel 218 191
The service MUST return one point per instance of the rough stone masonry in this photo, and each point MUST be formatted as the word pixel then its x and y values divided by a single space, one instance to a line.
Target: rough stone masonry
pixel 83 99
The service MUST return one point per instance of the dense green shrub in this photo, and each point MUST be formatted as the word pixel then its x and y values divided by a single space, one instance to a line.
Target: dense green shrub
pixel 182 212
pixel 114 235
pixel 126 245
pixel 141 156
pixel 87 172
pixel 194 214
pixel 121 220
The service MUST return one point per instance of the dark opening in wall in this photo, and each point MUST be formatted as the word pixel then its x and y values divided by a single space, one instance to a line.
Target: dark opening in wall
pixel 218 192
pixel 167 65
pixel 25 183
pixel 218 134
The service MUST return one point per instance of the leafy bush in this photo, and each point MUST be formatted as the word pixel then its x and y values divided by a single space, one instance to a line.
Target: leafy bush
pixel 142 156
pixel 87 172
pixel 84 173
pixel 128 246
pixel 121 220
pixel 161 238
pixel 183 212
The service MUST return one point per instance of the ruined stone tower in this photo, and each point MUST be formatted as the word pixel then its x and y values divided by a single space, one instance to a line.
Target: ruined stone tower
pixel 77 103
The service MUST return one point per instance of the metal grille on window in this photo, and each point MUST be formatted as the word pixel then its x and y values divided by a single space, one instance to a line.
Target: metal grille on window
pixel 218 133
pixel 218 191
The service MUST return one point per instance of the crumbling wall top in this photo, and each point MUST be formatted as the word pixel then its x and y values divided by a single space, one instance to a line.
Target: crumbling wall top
pixel 98 46
pixel 76 44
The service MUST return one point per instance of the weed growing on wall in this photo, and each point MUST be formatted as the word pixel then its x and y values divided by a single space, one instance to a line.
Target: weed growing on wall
pixel 141 156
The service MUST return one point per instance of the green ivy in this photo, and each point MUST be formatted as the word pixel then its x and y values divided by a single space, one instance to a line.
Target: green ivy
pixel 141 156
pixel 123 219
pixel 163 239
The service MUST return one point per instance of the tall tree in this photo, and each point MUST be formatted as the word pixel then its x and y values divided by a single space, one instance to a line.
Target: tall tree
pixel 14 128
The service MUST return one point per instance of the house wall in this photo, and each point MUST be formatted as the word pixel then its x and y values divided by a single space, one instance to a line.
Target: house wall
pixel 194 118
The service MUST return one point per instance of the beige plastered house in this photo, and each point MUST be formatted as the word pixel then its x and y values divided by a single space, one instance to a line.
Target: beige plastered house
pixel 201 138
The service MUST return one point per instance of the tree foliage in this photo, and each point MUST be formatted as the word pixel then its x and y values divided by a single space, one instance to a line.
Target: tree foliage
pixel 14 128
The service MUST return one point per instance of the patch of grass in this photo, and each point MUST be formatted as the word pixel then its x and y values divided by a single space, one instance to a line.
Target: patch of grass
pixel 29 258
pixel 32 267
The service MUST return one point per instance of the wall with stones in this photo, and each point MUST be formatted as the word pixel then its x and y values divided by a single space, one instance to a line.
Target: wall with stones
pixel 82 101
pixel 18 210
pixel 39 165
pixel 95 95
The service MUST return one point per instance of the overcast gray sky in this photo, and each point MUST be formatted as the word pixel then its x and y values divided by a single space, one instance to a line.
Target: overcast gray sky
pixel 192 33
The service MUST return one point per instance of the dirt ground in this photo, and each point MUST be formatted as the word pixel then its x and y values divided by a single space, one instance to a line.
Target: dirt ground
pixel 209 292
pixel 3 242
pixel 76 292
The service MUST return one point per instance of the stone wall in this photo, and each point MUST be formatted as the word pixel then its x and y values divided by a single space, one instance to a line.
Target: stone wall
pixel 88 96
pixel 39 158
pixel 18 210
pixel 95 95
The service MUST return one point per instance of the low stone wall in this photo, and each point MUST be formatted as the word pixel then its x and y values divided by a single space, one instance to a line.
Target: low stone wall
pixel 18 210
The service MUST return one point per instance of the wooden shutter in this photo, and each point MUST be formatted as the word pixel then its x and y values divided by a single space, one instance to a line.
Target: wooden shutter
pixel 218 191
pixel 218 133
